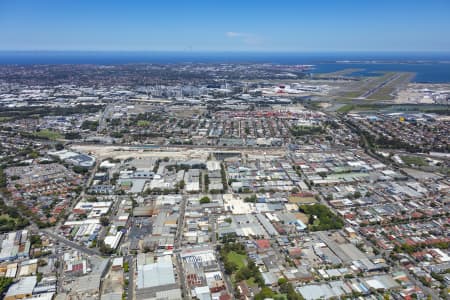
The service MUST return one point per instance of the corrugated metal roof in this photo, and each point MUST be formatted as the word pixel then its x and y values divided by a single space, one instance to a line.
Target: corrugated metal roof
pixel 157 274
pixel 23 287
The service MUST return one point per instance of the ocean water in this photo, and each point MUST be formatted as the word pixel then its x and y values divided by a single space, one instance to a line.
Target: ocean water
pixel 429 67
pixel 430 72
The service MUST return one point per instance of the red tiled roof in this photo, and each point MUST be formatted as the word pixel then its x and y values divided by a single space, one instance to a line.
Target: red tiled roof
pixel 263 244
pixel 225 297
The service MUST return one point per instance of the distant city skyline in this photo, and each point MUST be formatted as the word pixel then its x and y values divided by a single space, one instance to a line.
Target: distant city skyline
pixel 261 26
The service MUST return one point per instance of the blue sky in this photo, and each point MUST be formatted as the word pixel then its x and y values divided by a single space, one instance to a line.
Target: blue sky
pixel 215 25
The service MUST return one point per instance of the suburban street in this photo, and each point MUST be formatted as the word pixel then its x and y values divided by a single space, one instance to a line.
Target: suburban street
pixel 88 251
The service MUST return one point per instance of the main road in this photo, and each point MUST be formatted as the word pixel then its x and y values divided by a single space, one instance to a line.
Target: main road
pixel 131 287
pixel 178 247
pixel 85 250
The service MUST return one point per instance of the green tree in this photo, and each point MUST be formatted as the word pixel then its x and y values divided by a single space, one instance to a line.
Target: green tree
pixel 104 220
pixel 324 219
pixel 205 200
pixel 230 267
pixel 264 294
pixel 181 184
pixel 4 284
pixel 282 281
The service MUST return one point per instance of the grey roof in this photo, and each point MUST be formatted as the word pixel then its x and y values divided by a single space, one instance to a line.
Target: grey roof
pixel 267 225
pixel 166 292
pixel 138 185
pixel 325 291
pixel 24 287
pixel 351 251
pixel 247 225
pixel 269 278
pixel 157 274
pixel 112 296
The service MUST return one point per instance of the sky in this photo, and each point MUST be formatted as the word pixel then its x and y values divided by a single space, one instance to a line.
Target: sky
pixel 228 25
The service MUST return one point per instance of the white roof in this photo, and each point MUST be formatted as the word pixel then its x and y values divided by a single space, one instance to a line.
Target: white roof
pixel 213 165
pixel 44 296
pixel 202 293
pixel 82 222
pixel 107 164
pixel 374 283
pixel 118 261
pixel 24 286
pixel 113 240
pixel 157 274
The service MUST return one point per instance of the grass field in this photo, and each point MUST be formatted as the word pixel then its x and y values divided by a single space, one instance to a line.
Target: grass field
pixel 238 259
pixel 345 72
pixel 4 119
pixel 302 200
pixel 373 105
pixel 351 95
pixel 414 160
pixel 365 85
pixel 383 86
pixel 358 107
pixel 49 134
pixel 5 218
pixel 385 92
pixel 345 108
pixel 143 123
